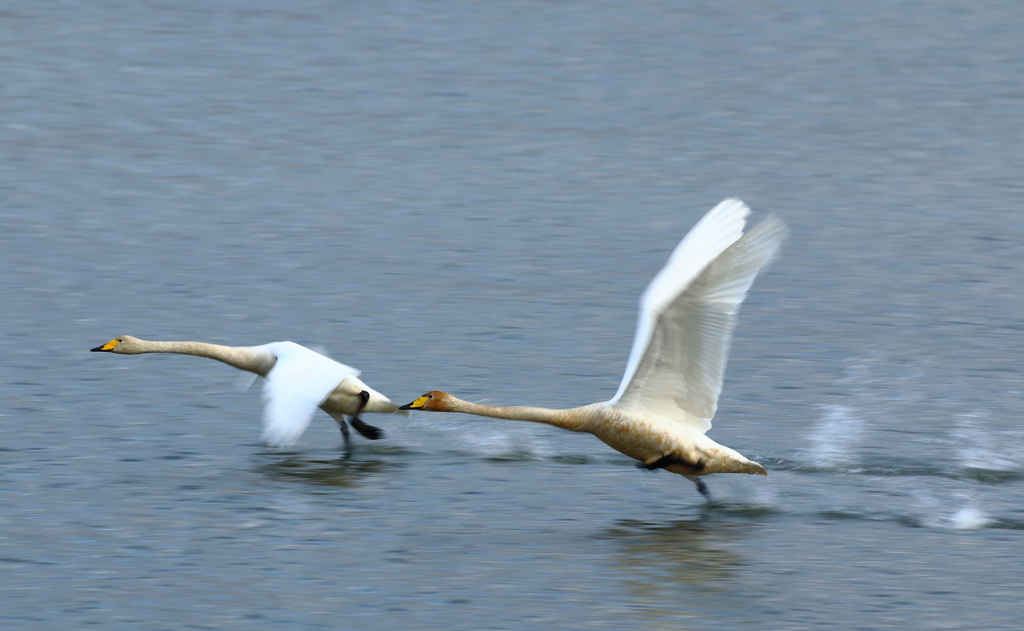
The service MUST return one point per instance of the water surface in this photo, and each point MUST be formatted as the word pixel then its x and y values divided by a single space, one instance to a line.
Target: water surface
pixel 471 196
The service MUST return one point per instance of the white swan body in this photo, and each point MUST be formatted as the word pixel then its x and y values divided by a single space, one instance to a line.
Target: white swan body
pixel 298 381
pixel 670 389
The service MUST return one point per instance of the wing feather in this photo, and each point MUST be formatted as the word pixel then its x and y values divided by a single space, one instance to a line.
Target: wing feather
pixel 716 231
pixel 298 383
pixel 688 314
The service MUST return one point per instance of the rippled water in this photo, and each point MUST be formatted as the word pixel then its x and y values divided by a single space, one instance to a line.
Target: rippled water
pixel 471 196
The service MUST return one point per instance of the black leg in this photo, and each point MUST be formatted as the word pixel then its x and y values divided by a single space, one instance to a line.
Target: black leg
pixel 344 433
pixel 366 430
pixel 703 488
pixel 668 460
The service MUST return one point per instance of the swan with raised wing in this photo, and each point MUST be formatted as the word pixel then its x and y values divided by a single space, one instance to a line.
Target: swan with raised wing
pixel 670 389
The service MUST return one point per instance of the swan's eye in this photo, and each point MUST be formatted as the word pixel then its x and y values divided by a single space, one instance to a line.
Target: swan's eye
pixel 430 396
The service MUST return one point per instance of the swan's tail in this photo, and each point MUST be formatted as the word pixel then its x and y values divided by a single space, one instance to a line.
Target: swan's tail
pixel 721 459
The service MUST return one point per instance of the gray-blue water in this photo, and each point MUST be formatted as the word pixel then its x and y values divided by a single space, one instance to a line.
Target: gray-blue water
pixel 471 196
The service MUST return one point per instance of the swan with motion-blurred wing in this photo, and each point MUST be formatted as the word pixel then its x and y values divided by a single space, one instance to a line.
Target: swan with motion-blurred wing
pixel 670 390
pixel 297 382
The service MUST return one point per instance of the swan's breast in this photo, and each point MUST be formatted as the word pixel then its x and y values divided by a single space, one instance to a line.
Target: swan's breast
pixel 639 437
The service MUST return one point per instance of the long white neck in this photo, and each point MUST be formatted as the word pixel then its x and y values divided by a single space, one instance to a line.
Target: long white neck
pixel 575 419
pixel 239 357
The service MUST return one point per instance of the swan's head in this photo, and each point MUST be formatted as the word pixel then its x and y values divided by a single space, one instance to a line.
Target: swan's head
pixel 124 345
pixel 435 401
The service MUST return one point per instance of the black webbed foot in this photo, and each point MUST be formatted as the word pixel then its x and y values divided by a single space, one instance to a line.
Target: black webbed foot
pixel 367 431
pixel 703 488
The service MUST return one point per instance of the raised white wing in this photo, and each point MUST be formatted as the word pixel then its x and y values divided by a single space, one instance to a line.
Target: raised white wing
pixel 688 313
pixel 297 384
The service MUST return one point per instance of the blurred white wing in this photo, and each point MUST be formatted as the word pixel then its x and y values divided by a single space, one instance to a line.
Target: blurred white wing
pixel 688 313
pixel 716 231
pixel 297 384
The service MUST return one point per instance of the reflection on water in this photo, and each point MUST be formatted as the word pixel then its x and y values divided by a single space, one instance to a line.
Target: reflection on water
pixel 340 472
pixel 687 551
pixel 667 568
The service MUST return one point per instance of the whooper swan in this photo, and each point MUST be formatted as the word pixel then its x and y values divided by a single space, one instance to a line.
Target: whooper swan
pixel 298 381
pixel 670 390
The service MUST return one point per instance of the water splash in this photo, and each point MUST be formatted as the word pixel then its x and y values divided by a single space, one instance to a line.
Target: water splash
pixel 482 438
pixel 835 437
pixel 984 449
pixel 957 510
pixel 969 518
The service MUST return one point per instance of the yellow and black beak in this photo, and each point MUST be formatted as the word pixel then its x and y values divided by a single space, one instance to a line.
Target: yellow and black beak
pixel 105 348
pixel 415 405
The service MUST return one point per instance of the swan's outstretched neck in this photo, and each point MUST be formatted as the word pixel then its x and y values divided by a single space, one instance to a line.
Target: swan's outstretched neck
pixel 558 418
pixel 239 357
pixel 443 402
